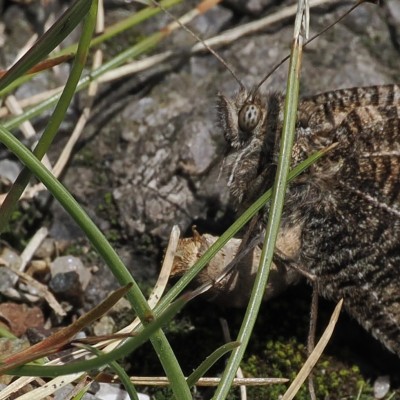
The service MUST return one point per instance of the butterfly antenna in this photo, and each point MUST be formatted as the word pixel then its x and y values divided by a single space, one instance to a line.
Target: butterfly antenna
pixel 351 9
pixel 199 39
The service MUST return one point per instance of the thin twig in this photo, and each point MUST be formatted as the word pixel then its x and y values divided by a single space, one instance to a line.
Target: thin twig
pixel 312 333
pixel 163 381
pixel 314 356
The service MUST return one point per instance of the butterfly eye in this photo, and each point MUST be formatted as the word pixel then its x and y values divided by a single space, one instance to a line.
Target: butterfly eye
pixel 249 117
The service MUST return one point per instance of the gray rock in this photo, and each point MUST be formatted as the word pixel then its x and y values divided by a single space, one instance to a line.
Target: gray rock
pixel 67 287
pixel 8 278
pixel 9 170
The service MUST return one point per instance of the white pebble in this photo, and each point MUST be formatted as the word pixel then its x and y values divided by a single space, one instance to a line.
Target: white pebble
pixel 70 263
pixel 381 386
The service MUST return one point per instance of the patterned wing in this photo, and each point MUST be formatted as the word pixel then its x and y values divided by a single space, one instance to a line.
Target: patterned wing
pixel 349 205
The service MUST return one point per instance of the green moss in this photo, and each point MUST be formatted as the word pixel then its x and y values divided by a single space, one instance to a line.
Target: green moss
pixel 108 210
pixel 16 215
pixel 113 235
pixel 108 198
pixel 179 326
pixel 163 394
pixel 283 358
pixel 25 220
pixel 86 157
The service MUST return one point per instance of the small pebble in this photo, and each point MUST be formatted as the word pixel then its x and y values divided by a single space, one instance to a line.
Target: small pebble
pixel 381 386
pixel 9 169
pixel 20 317
pixel 104 326
pixel 70 263
pixel 47 249
pixel 11 258
pixel 112 392
pixel 7 278
pixel 67 287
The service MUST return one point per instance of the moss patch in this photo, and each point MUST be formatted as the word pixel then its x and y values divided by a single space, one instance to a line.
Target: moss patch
pixel 283 358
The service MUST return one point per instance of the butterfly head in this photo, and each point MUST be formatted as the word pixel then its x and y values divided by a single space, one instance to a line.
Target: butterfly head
pixel 241 118
pixel 250 143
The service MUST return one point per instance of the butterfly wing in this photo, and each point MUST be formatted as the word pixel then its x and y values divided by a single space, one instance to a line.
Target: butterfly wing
pixel 350 207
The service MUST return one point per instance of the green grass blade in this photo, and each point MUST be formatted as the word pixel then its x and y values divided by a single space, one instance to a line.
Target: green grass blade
pixel 123 25
pixel 119 371
pixel 82 392
pixel 202 369
pixel 48 41
pixel 126 348
pixel 56 119
pixel 136 50
pixel 109 255
pixel 109 33
pixel 278 195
